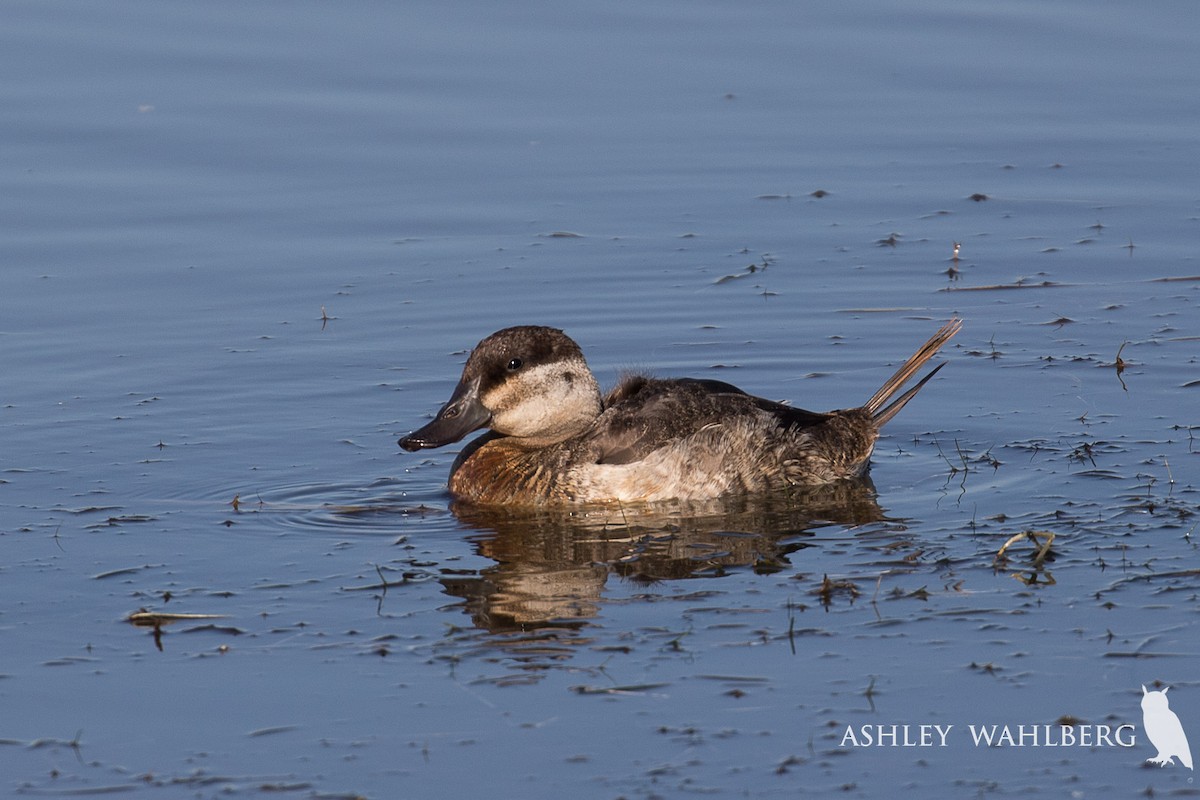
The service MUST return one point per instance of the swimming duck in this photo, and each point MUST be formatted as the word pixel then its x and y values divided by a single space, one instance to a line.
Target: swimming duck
pixel 555 440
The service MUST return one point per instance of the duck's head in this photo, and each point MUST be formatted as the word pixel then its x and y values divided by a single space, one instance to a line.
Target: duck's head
pixel 529 382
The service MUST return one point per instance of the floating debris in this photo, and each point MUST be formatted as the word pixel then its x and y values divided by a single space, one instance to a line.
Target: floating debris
pixel 115 522
pixel 830 587
pixel 271 731
pixel 1019 284
pixel 153 619
pixel 639 688
pixel 1033 536
pixel 114 573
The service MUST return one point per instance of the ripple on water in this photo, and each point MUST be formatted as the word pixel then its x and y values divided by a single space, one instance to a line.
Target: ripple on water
pixel 381 506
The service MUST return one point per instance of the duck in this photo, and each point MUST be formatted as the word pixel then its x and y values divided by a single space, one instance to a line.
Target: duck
pixel 554 440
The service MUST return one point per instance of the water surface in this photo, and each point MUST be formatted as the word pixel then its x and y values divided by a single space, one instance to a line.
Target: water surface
pixel 247 246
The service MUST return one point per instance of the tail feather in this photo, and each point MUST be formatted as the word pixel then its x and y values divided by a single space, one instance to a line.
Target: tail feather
pixel 882 413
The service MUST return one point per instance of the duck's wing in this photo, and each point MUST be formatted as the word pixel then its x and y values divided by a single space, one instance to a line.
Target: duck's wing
pixel 642 415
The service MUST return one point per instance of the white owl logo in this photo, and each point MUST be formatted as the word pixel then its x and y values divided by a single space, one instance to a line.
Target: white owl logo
pixel 1164 730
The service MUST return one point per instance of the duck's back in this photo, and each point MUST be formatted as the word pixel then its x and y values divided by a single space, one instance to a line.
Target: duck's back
pixel 642 415
pixel 702 438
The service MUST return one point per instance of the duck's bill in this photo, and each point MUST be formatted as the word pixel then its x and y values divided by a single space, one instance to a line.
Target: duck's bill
pixel 460 416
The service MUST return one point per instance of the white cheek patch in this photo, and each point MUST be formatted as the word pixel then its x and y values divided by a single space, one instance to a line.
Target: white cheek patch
pixel 541 401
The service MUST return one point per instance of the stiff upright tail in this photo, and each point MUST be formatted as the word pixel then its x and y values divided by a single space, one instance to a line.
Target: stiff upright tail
pixel 875 405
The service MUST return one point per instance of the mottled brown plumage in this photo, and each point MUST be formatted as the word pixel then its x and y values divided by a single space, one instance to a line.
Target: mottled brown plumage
pixel 555 441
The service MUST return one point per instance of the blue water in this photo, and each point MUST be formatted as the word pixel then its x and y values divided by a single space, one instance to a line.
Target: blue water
pixel 189 189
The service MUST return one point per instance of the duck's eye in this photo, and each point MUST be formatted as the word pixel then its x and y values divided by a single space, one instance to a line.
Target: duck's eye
pixel 515 364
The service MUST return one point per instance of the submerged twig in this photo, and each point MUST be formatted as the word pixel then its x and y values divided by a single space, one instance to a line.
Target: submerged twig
pixel 954 470
pixel 1032 536
pixel 405 578
pixel 1119 364
pixel 791 625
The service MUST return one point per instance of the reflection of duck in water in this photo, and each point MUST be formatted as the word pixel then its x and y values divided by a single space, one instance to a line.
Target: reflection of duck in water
pixel 555 441
pixel 552 564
